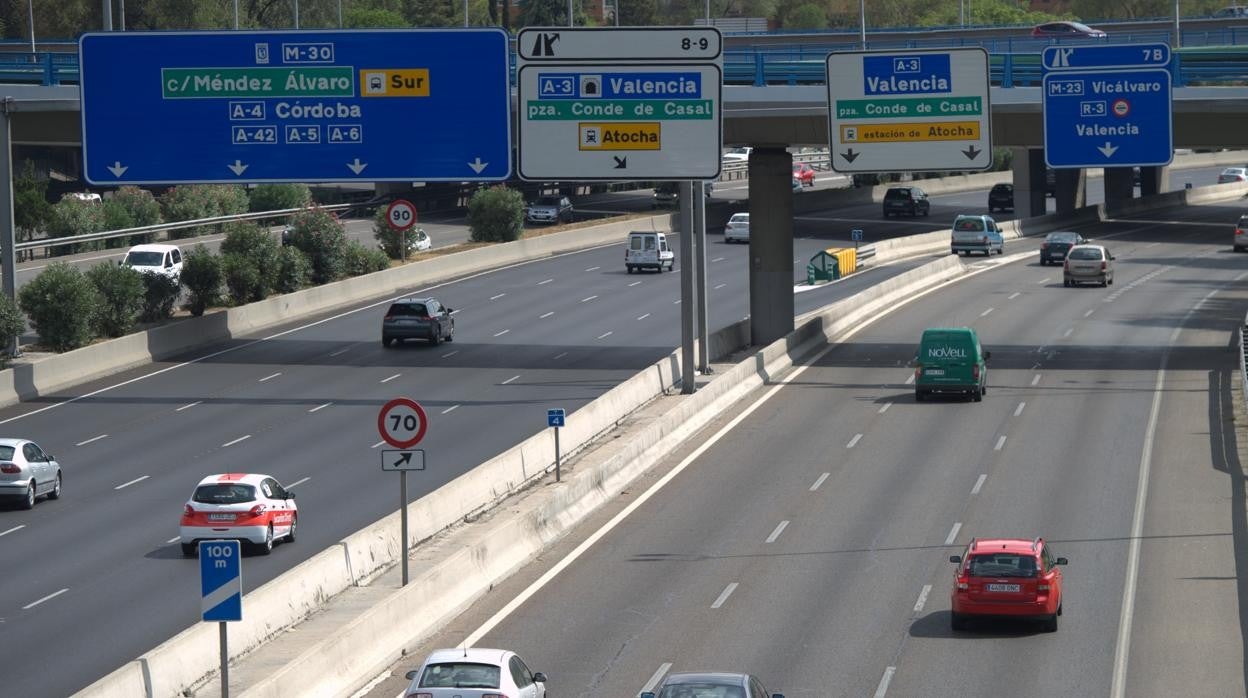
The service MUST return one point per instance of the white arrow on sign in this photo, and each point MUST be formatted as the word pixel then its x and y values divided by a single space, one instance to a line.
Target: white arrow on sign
pixel 477 165
pixel 1108 149
pixel 117 168
pixel 357 166
pixel 238 167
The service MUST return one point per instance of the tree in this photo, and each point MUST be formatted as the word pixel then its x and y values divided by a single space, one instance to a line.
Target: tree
pixel 433 13
pixel 30 202
pixel 638 13
pixel 366 18
pixel 496 214
pixel 549 13
pixel 807 16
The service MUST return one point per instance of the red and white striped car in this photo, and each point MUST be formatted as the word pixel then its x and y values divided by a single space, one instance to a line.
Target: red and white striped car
pixel 249 507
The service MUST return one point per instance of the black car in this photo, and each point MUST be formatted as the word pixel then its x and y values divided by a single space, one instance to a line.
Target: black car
pixel 1055 246
pixel 909 200
pixel 417 318
pixel 1001 196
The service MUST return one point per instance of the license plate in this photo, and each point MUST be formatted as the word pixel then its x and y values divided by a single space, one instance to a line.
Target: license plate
pixel 1009 588
pixel 934 372
pixel 220 517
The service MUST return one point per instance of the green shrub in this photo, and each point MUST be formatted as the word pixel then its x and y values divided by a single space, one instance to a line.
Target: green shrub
pixel 241 278
pixel 31 209
pixel 160 293
pixel 389 238
pixel 361 259
pixel 496 214
pixel 69 217
pixel 201 274
pixel 275 197
pixel 121 292
pixel 188 202
pixel 130 207
pixel 228 199
pixel 251 242
pixel 293 270
pixel 11 325
pixel 61 304
pixel 318 234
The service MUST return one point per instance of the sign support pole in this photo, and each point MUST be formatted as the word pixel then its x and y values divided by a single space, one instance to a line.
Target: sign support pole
pixel 403 520
pixel 699 256
pixel 687 291
pixel 8 265
pixel 225 660
pixel 558 474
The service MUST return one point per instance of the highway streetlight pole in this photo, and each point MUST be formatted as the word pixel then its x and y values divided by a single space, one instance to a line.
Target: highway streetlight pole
pixel 1178 39
pixel 962 13
pixel 30 7
pixel 236 14
pixel 862 23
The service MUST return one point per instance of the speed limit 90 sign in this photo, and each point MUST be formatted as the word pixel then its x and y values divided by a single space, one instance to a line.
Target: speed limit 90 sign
pixel 401 214
pixel 402 423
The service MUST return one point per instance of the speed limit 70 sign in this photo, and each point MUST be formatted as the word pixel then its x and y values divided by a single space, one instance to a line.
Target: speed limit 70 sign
pixel 401 214
pixel 402 423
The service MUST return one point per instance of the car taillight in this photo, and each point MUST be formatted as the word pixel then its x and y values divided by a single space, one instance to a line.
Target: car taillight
pixel 388 318
pixel 1066 264
pixel 963 585
pixel 1044 245
pixel 420 695
pixel 1104 266
pixel 975 372
pixel 1042 587
pixel 188 511
pixel 918 370
pixel 10 468
pixel 1239 231
pixel 257 510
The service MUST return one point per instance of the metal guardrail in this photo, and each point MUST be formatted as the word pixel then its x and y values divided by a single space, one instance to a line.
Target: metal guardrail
pixel 866 251
pixel 165 227
pixel 1243 359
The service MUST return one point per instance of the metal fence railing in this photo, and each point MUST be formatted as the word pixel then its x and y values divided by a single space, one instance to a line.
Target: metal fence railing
pixel 1243 360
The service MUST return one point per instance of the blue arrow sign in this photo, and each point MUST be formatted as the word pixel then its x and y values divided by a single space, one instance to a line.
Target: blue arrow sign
pixel 221 580
pixel 1105 118
pixel 295 106
pixel 555 417
pixel 1112 56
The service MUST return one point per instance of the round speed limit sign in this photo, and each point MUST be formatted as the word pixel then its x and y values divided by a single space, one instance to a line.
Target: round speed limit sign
pixel 401 214
pixel 402 423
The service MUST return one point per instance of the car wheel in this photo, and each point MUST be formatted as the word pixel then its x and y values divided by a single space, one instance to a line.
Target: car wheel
pixel 56 491
pixel 919 396
pixel 450 337
pixel 1044 262
pixel 1066 283
pixel 628 268
pixel 267 546
pixel 957 621
pixel 189 550
pixel 1050 624
pixel 1111 281
pixel 435 337
pixel 386 341
pixel 978 395
pixel 29 501
pixel 294 523
pixel 1105 282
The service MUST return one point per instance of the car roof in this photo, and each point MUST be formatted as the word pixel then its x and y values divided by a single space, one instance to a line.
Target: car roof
pixel 481 655
pixel 706 677
pixel 1089 245
pixel 227 478
pixel 153 248
pixel 1062 233
pixel 1025 546
pixel 411 301
pixel 12 442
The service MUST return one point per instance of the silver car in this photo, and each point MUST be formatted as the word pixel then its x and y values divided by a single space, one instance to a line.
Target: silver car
pixel 738 228
pixel 714 685
pixel 1088 264
pixel 27 473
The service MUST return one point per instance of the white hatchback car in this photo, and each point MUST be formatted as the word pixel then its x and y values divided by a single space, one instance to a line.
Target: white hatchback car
pixel 27 473
pixel 156 259
pixel 474 672
pixel 248 507
pixel 738 228
pixel 1233 174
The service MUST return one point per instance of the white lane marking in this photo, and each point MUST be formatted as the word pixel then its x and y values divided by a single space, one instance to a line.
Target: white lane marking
pixel 457 311
pixel 1043 281
pixel 1014 295
pixel 656 677
pixel 1069 331
pixel 1019 410
pixel 593 269
pixel 494 298
pixel 910 379
pixel 500 334
pixel 269 378
pixel 298 482
pixel 1089 312
pixel 340 352
pixel 542 317
pixel 387 380
pixel 953 533
pixel 175 539
pixel 776 533
pixel 378 444
pixel 1035 379
pixel 643 317
pixel 818 483
pixel 723 595
pixel 605 335
pixel 544 282
pixel 885 407
pixel 136 480
pixel 450 409
pixel 449 354
pixel 918 605
pixel 187 407
pixel 979 483
pixel 11 530
pixel 887 678
pixel 718 259
pixel 235 441
pixel 509 380
pixel 676 302
pixel 854 441
pixel 49 597
pixel 719 287
pixel 1000 443
pixel 588 298
pixel 318 408
pixel 987 312
pixel 560 356
pixel 91 440
pixel 635 283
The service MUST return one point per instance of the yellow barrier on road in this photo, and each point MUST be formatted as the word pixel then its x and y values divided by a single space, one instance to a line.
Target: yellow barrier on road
pixel 830 264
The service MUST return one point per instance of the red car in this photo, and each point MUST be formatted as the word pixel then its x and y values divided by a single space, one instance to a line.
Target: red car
pixel 1007 577
pixel 805 174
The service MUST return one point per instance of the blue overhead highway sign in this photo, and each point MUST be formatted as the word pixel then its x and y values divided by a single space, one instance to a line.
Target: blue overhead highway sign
pixel 295 106
pixel 221 580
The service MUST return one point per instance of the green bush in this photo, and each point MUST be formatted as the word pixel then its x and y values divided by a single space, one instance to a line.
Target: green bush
pixel 228 199
pixel 360 259
pixel 318 234
pixel 257 245
pixel 11 325
pixel 241 278
pixel 160 293
pixel 275 197
pixel 389 238
pixel 121 298
pixel 496 214
pixel 187 203
pixel 61 304
pixel 69 217
pixel 293 270
pixel 130 207
pixel 31 209
pixel 201 274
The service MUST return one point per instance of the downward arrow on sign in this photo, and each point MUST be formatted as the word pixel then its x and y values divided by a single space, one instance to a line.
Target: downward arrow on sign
pixel 117 168
pixel 357 166
pixel 1108 149
pixel 850 155
pixel 238 168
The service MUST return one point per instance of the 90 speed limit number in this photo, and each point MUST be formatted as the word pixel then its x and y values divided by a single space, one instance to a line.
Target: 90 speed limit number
pixel 402 423
pixel 401 214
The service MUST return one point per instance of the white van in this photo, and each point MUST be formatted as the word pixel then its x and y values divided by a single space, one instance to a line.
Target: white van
pixel 648 250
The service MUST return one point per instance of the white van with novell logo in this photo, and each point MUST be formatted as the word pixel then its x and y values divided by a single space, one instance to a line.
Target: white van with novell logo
pixel 247 507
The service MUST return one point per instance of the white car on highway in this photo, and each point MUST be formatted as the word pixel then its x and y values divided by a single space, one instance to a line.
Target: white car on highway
pixel 27 473
pixel 475 672
pixel 738 228
pixel 156 259
pixel 247 507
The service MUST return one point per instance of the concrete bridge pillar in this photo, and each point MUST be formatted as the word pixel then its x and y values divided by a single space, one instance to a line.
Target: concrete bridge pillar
pixel 1028 166
pixel 1072 189
pixel 1119 187
pixel 771 244
pixel 1154 180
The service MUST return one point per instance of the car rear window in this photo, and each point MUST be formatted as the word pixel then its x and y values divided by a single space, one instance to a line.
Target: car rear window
pixel 6 453
pixel 702 690
pixel 973 225
pixel 1085 253
pixel 408 309
pixel 460 675
pixel 1243 222
pixel 224 493
pixel 897 194
pixel 1002 565
pixel 739 218
pixel 145 259
pixel 1061 237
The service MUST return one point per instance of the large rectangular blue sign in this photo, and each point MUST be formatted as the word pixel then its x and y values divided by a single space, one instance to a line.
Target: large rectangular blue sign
pixel 1113 56
pixel 295 106
pixel 907 74
pixel 1108 118
pixel 221 580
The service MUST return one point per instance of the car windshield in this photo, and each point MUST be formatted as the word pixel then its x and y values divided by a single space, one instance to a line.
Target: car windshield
pixel 972 225
pixel 702 690
pixel 1085 253
pixel 1080 27
pixel 460 675
pixel 410 309
pixel 547 201
pixel 224 493
pixel 145 259
pixel 1002 565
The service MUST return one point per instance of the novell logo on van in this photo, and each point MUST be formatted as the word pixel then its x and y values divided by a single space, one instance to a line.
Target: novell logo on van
pixel 946 353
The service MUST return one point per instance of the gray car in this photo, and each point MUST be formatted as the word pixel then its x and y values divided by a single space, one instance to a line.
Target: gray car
pixel 977 234
pixel 27 473
pixel 1088 264
pixel 417 318
pixel 711 685
pixel 550 209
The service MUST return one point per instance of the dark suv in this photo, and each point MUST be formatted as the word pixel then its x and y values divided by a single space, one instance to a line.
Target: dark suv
pixel 1001 197
pixel 908 200
pixel 417 318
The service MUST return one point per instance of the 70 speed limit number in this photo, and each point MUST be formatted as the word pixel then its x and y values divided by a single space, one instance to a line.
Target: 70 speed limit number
pixel 402 423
